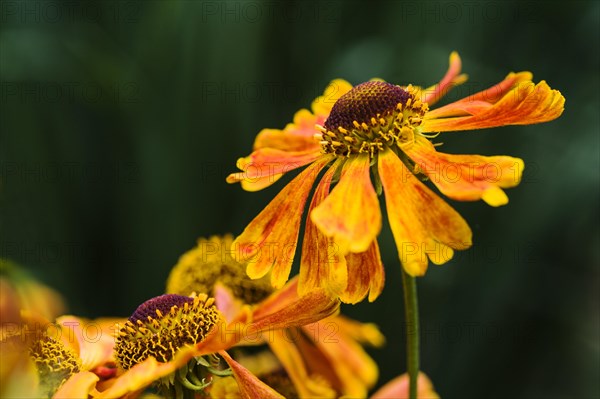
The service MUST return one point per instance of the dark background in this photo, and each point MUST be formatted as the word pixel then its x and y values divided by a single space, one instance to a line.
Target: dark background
pixel 121 119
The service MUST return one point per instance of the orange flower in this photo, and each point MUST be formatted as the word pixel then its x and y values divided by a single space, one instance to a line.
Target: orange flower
pixel 373 138
pixel 174 340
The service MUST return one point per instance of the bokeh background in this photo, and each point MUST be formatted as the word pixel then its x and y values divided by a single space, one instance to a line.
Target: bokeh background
pixel 121 119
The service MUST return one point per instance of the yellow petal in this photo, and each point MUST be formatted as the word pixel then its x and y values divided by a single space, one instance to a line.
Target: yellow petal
pixel 250 386
pixel 321 265
pixel 282 309
pixel 282 345
pixel 302 310
pixel 423 225
pixel 265 166
pixel 524 104
pixel 452 78
pixel 365 275
pixel 351 214
pixel 323 104
pixel 269 241
pixel 467 177
pixel 354 368
pixel 78 386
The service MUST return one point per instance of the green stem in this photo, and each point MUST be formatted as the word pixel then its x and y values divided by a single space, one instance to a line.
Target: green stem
pixel 411 310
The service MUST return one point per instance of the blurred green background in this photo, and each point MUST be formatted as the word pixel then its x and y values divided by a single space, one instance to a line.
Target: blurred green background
pixel 121 119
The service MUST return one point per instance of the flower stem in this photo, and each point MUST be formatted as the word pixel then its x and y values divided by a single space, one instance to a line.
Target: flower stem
pixel 411 310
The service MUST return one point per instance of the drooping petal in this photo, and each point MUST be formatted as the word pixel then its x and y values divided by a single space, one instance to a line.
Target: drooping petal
pixel 423 225
pixel 282 343
pixel 354 368
pixel 399 386
pixel 282 309
pixel 468 177
pixel 364 333
pixel 452 78
pixel 321 264
pixel 524 103
pixel 79 386
pixel 351 214
pixel 306 309
pixel 366 274
pixel 265 166
pixel 269 241
pixel 250 386
pixel 322 105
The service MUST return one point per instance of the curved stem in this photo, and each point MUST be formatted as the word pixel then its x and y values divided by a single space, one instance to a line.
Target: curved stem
pixel 411 310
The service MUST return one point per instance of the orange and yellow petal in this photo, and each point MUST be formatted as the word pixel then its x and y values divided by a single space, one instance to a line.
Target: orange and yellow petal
pixel 265 166
pixel 282 309
pixel 321 264
pixel 356 371
pixel 78 386
pixel 290 310
pixel 351 214
pixel 423 225
pixel 366 274
pixel 282 343
pixel 482 99
pixel 398 388
pixel 468 177
pixel 452 78
pixel 364 333
pixel 515 101
pixel 269 241
pixel 249 385
pixel 322 105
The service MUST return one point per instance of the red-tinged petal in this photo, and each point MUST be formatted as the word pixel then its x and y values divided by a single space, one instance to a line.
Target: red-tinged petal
pixel 321 265
pixel 365 275
pixel 269 241
pixel 226 302
pixel 92 340
pixel 468 177
pixel 306 309
pixel 78 386
pixel 282 309
pixel 524 104
pixel 250 386
pixel 398 388
pixel 482 99
pixel 292 360
pixel 323 104
pixel 351 214
pixel 451 79
pixel 265 166
pixel 423 225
